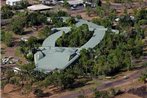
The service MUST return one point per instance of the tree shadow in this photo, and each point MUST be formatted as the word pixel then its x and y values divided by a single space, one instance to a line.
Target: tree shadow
pixel 47 94
pixel 80 84
pixel 27 32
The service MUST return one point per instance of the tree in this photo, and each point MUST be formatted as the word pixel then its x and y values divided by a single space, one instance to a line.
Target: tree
pixel 62 79
pixel 21 5
pixel 97 21
pixel 137 49
pixel 24 4
pixel 62 13
pixel 98 2
pixel 39 93
pixel 17 24
pixel 102 94
pixel 66 4
pixel 7 38
pixel 127 61
pixel 143 77
pixel 70 21
pixel 106 22
pixel 126 21
pixel 79 17
pixel 88 10
pixel 141 14
pixel 44 32
pixel 32 41
pixel 58 22
pixel 36 18
pixel 3 84
pixel 27 67
pixel 100 11
pixel 6 12
pixel 8 74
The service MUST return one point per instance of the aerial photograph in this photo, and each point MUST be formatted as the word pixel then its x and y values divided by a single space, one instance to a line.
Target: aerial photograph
pixel 73 49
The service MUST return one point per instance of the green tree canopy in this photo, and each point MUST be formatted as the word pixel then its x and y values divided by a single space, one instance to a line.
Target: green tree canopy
pixel 44 32
pixel 7 38
pixel 36 18
pixel 17 24
pixel 78 36
pixel 6 12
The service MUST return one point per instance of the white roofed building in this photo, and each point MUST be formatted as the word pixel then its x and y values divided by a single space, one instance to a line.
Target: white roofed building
pixel 75 2
pixel 13 2
pixel 39 7
pixel 49 2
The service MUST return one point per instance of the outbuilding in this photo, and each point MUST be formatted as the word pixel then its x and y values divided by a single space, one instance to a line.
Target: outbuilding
pixel 49 2
pixel 39 7
pixel 13 2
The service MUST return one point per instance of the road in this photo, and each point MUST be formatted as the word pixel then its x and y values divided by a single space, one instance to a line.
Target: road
pixel 115 83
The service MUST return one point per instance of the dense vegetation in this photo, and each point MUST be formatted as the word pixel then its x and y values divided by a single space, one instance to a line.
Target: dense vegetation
pixel 27 48
pixel 78 36
pixel 27 19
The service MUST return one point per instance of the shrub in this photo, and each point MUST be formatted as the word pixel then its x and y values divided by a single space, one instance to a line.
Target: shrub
pixel 7 38
pixel 6 12
pixel 39 93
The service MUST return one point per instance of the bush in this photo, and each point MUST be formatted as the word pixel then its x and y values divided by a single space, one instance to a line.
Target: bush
pixel 44 32
pixel 22 5
pixel 102 21
pixel 3 83
pixel 57 22
pixel 30 57
pixel 66 4
pixel 142 22
pixel 14 80
pixel 32 41
pixel 39 93
pixel 141 14
pixel 70 21
pixel 17 24
pixel 28 67
pixel 145 64
pixel 7 38
pixel 6 12
pixel 36 18
pixel 62 13
pixel 102 94
pixel 97 21
pixel 79 17
pixel 126 21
